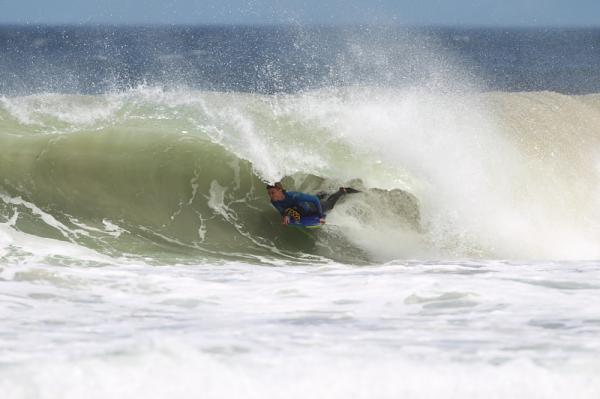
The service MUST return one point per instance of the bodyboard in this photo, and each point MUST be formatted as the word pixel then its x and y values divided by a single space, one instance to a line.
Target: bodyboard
pixel 309 222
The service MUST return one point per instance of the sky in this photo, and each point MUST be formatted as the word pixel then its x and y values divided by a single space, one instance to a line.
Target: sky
pixel 332 12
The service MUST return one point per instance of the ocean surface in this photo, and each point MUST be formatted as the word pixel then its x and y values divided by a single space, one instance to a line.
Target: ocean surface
pixel 140 257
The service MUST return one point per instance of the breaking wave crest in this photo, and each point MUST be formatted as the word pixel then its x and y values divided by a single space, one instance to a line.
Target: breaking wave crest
pixel 180 173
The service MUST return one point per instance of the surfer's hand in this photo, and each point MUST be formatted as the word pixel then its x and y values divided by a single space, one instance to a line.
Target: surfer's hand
pixel 322 220
pixel 285 220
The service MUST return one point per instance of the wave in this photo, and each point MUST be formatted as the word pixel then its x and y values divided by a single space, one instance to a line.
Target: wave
pixel 181 173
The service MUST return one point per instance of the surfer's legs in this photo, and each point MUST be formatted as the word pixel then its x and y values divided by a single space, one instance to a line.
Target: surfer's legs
pixel 329 203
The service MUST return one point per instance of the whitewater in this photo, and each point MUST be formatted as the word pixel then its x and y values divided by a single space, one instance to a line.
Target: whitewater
pixel 140 256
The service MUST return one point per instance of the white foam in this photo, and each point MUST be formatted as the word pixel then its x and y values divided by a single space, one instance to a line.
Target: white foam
pixel 457 330
pixel 47 109
pixel 44 216
pixel 187 373
pixel 40 247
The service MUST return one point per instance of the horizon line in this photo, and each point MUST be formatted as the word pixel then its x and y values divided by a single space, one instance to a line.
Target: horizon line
pixel 288 25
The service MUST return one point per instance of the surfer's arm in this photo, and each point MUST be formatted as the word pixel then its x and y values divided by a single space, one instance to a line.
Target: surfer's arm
pixel 284 218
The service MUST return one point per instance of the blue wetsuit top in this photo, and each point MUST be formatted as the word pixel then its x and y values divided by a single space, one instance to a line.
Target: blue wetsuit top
pixel 305 204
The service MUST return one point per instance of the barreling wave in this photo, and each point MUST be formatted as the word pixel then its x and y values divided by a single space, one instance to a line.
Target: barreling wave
pixel 181 173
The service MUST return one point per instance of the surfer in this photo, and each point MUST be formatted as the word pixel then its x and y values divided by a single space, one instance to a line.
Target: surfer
pixel 291 203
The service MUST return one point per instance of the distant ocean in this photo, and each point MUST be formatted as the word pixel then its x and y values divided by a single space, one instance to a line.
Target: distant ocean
pixel 140 257
pixel 93 60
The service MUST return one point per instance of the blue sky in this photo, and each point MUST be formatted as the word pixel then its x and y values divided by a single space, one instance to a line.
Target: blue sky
pixel 404 12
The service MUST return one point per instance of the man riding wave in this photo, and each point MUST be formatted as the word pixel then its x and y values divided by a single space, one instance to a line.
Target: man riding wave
pixel 296 204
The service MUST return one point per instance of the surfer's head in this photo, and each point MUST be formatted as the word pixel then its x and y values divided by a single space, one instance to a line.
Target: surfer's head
pixel 276 191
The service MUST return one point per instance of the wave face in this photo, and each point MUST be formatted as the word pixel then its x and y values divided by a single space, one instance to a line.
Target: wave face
pixel 180 173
